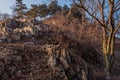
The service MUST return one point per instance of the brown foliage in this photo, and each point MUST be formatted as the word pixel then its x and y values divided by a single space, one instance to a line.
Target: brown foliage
pixel 84 32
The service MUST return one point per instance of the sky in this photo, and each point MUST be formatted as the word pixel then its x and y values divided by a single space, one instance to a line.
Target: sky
pixel 5 5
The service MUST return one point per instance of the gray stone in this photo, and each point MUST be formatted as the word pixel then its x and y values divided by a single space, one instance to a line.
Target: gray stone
pixel 18 58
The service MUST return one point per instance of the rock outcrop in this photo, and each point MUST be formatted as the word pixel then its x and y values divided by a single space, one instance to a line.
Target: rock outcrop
pixel 14 30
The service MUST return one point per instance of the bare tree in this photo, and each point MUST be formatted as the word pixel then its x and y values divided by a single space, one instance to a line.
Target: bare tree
pixel 104 12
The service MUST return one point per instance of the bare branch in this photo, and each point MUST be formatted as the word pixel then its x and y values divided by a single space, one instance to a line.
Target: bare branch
pixel 101 7
pixel 92 15
pixel 117 9
pixel 99 3
pixel 117 4
pixel 116 29
pixel 111 14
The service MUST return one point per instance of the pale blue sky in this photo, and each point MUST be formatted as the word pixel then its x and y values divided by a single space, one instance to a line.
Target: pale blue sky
pixel 6 4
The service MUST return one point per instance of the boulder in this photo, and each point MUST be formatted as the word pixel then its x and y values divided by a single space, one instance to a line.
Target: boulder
pixel 13 37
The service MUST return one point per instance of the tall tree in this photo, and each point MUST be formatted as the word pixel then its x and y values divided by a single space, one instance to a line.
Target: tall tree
pixel 54 7
pixel 43 10
pixel 104 12
pixel 40 11
pixel 74 12
pixel 65 9
pixel 20 9
pixel 33 11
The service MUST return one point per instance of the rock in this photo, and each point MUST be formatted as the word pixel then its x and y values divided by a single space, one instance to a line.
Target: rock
pixel 29 43
pixel 18 58
pixel 12 70
pixel 13 37
pixel 84 76
pixel 19 73
pixel 51 62
pixel 5 76
pixel 3 37
pixel 64 63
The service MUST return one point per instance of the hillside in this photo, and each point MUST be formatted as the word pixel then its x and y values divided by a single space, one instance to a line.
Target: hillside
pixel 30 60
pixel 40 51
pixel 60 40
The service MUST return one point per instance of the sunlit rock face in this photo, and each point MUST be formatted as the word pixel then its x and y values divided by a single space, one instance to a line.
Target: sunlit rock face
pixel 13 30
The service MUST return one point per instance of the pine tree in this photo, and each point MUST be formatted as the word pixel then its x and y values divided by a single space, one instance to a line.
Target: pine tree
pixel 43 10
pixel 39 11
pixel 33 11
pixel 54 7
pixel 74 12
pixel 20 9
pixel 65 9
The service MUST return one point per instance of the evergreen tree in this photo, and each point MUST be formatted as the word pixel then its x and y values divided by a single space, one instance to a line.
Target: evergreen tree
pixel 33 11
pixel 65 9
pixel 20 9
pixel 38 11
pixel 74 12
pixel 43 10
pixel 54 7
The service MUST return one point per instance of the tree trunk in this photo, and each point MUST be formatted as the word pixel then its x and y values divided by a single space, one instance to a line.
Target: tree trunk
pixel 108 56
pixel 108 50
pixel 104 45
pixel 112 51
